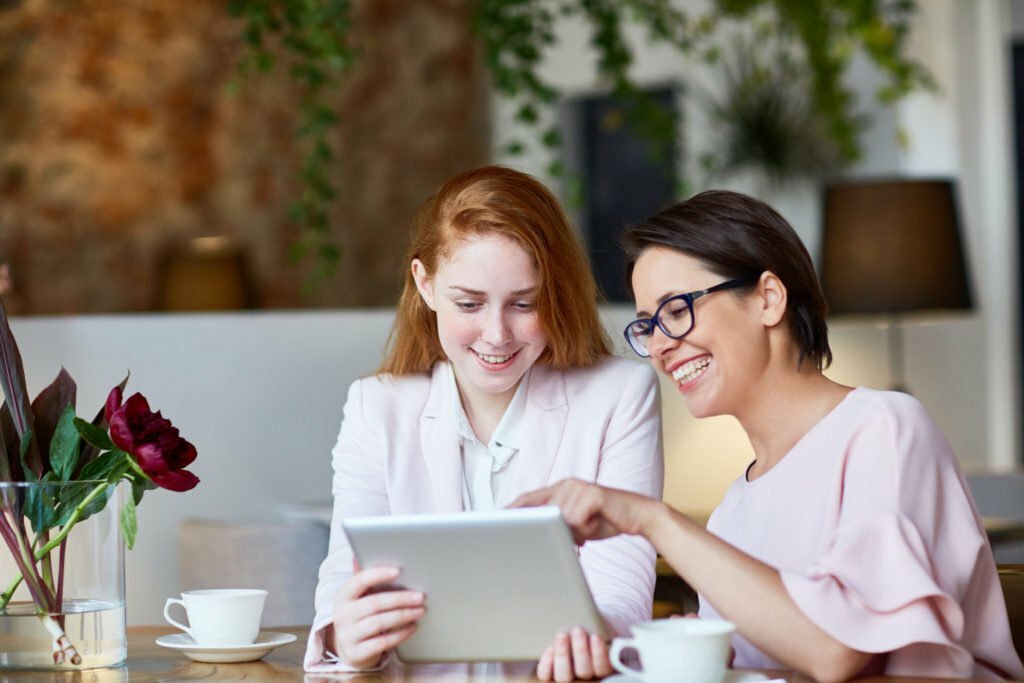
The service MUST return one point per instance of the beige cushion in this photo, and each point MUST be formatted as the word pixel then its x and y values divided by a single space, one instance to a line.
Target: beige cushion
pixel 281 557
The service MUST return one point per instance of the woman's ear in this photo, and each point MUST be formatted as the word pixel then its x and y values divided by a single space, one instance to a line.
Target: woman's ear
pixel 774 298
pixel 424 282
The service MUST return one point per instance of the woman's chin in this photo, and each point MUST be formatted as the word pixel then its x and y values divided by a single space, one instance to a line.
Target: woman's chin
pixel 700 405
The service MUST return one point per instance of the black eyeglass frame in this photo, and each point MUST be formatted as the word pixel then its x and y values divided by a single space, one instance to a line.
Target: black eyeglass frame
pixel 689 298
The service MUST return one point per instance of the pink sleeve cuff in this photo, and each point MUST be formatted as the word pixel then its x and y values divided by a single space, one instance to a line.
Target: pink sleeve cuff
pixel 875 591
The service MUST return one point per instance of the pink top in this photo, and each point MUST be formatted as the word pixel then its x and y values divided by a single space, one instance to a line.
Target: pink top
pixel 870 523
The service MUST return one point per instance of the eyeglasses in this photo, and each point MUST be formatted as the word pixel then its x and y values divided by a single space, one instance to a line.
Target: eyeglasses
pixel 674 316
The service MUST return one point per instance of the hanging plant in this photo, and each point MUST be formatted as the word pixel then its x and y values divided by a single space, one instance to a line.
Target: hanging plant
pixel 824 35
pixel 314 37
pixel 763 120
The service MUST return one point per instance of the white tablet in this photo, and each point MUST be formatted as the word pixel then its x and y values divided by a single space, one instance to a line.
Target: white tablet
pixel 499 585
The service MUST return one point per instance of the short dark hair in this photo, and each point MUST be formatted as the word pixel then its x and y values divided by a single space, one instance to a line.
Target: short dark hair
pixel 738 236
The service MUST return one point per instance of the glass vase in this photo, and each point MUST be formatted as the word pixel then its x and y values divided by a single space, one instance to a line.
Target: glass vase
pixel 85 572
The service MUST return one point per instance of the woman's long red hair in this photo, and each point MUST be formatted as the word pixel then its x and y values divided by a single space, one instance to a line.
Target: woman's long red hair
pixel 498 200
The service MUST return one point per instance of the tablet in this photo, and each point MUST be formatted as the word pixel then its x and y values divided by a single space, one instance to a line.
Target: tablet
pixel 500 585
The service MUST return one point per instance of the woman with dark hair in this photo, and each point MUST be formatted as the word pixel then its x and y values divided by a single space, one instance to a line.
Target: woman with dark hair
pixel 851 544
pixel 496 382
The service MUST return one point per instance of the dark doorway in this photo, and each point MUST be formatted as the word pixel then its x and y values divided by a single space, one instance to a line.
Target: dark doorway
pixel 623 179
pixel 1018 134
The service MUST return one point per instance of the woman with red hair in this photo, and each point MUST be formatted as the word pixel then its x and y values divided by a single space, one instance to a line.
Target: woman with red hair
pixel 498 380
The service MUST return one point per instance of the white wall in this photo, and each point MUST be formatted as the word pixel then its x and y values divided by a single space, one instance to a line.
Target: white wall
pixel 259 395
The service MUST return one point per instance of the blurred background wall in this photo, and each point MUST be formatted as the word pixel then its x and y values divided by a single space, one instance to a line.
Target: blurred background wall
pixel 120 138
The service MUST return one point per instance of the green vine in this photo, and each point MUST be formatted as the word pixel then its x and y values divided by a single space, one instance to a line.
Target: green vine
pixel 314 35
pixel 824 36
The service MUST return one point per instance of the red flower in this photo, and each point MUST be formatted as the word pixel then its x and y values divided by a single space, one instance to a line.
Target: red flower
pixel 152 440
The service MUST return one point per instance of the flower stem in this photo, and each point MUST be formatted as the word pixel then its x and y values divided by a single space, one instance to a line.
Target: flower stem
pixel 75 516
pixel 6 596
pixel 64 651
pixel 47 565
pixel 22 553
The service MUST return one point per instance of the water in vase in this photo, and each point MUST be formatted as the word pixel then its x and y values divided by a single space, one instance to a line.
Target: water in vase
pixel 97 630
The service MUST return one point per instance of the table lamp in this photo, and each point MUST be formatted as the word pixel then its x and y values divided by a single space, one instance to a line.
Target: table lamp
pixel 890 248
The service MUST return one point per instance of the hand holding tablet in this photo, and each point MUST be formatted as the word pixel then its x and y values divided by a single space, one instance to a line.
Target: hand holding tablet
pixel 370 618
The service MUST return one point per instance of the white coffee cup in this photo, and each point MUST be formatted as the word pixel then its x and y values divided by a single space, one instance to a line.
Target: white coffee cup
pixel 694 650
pixel 221 616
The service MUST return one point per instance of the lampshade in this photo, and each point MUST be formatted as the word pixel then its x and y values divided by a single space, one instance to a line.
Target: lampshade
pixel 892 247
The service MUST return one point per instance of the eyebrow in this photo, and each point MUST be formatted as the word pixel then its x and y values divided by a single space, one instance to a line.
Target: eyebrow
pixel 662 299
pixel 477 292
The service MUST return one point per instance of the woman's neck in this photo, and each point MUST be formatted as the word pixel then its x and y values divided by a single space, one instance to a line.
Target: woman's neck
pixel 785 408
pixel 484 410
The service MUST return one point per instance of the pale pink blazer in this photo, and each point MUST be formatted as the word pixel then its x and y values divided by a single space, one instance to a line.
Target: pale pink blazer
pixel 398 453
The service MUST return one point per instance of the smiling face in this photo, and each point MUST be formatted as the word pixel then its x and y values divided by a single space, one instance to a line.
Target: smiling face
pixel 718 364
pixel 484 296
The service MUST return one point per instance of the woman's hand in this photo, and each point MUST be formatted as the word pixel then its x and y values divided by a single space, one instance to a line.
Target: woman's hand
pixel 575 656
pixel 367 624
pixel 594 512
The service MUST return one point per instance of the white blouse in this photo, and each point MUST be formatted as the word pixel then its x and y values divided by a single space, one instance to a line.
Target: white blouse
pixel 488 470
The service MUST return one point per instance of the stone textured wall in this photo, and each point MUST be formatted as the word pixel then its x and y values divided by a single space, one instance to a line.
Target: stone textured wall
pixel 119 135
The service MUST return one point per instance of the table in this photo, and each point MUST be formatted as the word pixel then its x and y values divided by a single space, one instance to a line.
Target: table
pixel 150 663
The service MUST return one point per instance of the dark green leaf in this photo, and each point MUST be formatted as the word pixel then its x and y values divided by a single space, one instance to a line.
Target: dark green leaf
pixel 97 436
pixel 64 446
pixel 75 494
pixel 104 466
pixel 552 138
pixel 129 523
pixel 527 114
pixel 141 484
pixel 514 148
pixel 40 507
pixel 264 61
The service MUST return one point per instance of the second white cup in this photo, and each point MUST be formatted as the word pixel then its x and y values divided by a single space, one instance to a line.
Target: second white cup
pixel 692 650
pixel 220 616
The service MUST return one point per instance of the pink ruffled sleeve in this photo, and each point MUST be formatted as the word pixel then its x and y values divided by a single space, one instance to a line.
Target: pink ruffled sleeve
pixel 908 571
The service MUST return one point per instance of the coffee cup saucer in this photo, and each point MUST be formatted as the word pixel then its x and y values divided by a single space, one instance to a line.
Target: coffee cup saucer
pixel 265 642
pixel 731 676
